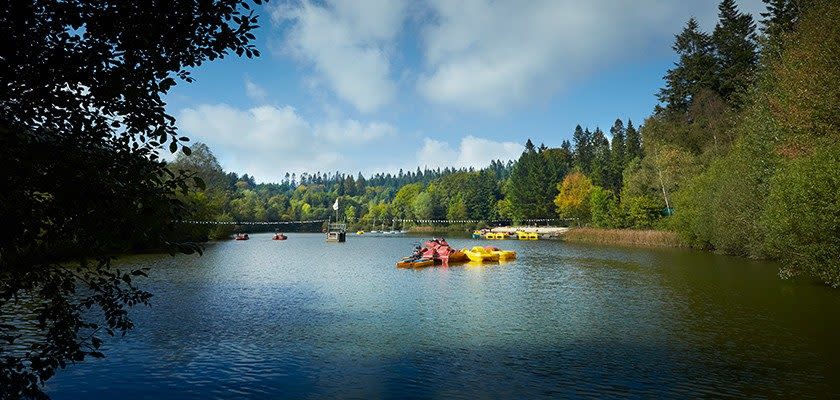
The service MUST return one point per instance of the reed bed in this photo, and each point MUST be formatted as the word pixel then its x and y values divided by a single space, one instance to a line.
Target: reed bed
pixel 632 237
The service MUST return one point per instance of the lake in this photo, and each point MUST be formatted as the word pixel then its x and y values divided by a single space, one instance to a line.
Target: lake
pixel 303 318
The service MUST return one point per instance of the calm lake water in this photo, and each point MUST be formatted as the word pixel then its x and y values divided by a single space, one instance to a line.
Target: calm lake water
pixel 308 319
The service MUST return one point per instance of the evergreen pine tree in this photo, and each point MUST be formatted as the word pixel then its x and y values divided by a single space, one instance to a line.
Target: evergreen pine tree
pixel 532 183
pixel 780 17
pixel 529 146
pixel 633 147
pixel 618 154
pixel 566 148
pixel 519 191
pixel 601 171
pixel 735 47
pixel 583 149
pixel 694 71
pixel 361 184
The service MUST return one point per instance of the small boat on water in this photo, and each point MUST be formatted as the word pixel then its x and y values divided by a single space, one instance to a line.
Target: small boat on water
pixel 418 263
pixel 360 232
pixel 481 255
pixel 503 254
pixel 439 250
pixel 435 251
pixel 279 236
pixel 495 235
pixel 241 236
pixel 522 235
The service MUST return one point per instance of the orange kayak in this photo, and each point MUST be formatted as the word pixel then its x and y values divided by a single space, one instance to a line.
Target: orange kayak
pixel 415 263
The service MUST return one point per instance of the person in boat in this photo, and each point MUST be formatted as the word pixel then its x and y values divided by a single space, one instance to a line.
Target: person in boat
pixel 417 254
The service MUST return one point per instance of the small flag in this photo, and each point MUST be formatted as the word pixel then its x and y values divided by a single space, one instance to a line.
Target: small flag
pixel 335 206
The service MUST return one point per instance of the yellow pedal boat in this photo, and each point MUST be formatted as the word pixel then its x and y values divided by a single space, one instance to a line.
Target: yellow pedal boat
pixel 503 254
pixel 495 236
pixel 522 235
pixel 480 254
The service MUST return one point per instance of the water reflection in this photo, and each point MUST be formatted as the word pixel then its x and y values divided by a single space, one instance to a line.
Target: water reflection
pixel 302 318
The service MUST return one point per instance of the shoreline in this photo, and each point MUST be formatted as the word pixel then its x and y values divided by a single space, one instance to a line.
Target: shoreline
pixel 632 237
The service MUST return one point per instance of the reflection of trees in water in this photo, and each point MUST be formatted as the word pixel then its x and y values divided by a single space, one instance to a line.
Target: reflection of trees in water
pixel 82 126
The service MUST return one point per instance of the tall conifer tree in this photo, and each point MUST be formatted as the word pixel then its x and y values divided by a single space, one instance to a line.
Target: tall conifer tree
pixel 693 72
pixel 735 49
pixel 601 170
pixel 633 148
pixel 583 149
pixel 618 154
pixel 780 17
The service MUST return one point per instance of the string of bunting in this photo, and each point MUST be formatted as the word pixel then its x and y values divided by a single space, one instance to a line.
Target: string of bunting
pixel 473 221
pixel 424 221
pixel 252 222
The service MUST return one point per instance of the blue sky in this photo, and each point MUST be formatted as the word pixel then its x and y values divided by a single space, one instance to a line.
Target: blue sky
pixel 379 85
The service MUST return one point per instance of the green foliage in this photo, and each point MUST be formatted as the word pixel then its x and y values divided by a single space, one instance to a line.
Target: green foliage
pixel 693 72
pixel 350 213
pixel 533 182
pixel 456 210
pixel 719 208
pixel 82 126
pixel 583 151
pixel 735 45
pixel 780 19
pixel 423 206
pixel 618 153
pixel 738 205
pixel 604 208
pixel 601 174
pixel 805 90
pixel 404 201
pixel 802 217
pixel 633 147
pixel 640 212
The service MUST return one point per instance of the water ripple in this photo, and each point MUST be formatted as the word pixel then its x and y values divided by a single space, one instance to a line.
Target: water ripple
pixel 306 319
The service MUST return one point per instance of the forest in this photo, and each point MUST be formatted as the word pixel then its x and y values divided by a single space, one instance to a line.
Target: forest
pixel 739 157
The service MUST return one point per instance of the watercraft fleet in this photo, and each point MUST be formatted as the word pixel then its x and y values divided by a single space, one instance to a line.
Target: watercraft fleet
pixel 437 251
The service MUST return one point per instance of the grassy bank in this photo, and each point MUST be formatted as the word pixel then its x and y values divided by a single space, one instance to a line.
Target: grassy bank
pixel 633 237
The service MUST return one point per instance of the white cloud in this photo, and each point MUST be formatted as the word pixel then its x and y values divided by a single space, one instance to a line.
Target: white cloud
pixel 268 141
pixel 491 55
pixel 348 43
pixel 472 152
pixel 350 132
pixel 255 92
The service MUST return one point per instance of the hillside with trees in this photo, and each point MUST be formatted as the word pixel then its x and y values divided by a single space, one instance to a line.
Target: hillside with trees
pixel 739 157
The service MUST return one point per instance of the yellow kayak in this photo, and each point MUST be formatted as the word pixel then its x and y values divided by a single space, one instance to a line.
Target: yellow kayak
pixel 360 232
pixel 480 254
pixel 415 264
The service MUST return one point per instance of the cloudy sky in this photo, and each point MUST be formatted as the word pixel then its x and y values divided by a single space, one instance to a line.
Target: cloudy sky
pixel 379 85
